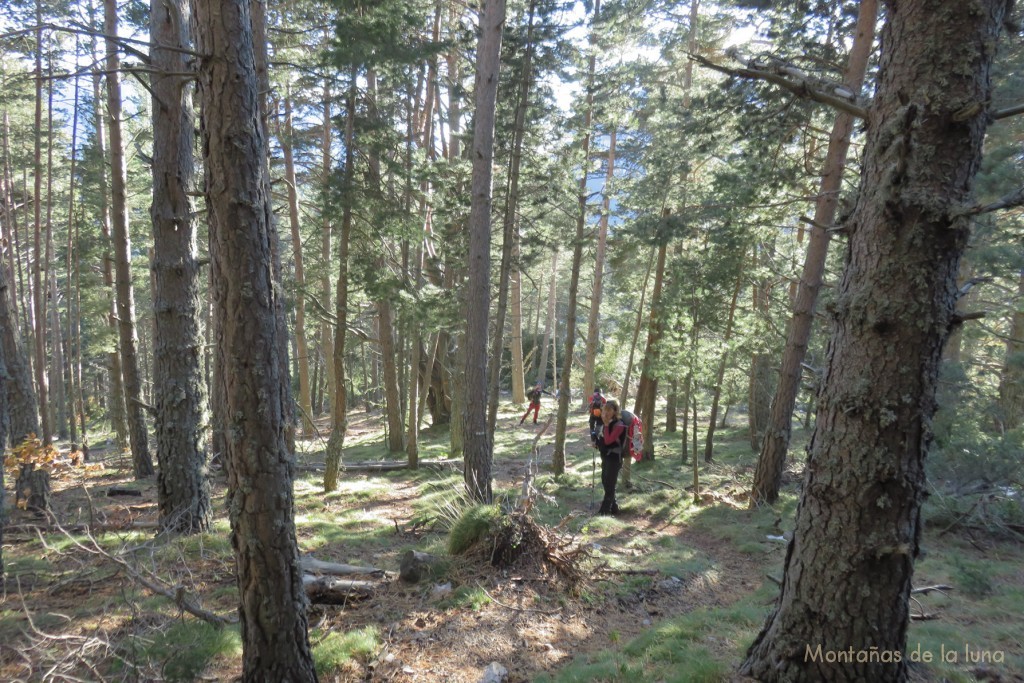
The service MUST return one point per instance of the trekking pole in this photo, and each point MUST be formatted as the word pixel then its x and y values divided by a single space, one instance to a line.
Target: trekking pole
pixel 593 476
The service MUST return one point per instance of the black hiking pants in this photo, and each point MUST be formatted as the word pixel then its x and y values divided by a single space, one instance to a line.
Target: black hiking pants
pixel 610 466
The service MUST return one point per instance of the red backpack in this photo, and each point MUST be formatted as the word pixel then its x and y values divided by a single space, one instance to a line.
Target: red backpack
pixel 634 434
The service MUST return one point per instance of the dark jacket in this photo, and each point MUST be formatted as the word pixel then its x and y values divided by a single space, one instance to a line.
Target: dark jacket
pixel 611 439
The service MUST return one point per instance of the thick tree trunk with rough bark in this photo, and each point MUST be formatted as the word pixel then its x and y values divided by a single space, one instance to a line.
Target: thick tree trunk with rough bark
pixel 179 389
pixel 850 562
pixel 138 436
pixel 774 446
pixel 275 644
pixel 478 439
pixel 593 322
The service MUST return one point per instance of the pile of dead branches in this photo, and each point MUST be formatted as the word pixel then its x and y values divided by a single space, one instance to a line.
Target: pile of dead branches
pixel 518 541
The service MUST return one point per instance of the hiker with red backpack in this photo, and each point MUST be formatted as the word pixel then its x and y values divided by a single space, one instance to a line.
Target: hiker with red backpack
pixel 534 396
pixel 611 442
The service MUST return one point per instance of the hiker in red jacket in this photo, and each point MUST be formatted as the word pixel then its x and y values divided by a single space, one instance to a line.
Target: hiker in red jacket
pixel 534 396
pixel 611 442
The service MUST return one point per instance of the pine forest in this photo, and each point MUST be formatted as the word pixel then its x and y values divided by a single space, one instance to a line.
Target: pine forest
pixel 511 340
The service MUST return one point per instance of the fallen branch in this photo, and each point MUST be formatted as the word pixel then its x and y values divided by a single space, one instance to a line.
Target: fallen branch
pixel 312 565
pixel 385 466
pixel 774 579
pixel 656 481
pixel 328 590
pixel 517 609
pixel 925 590
pixel 630 572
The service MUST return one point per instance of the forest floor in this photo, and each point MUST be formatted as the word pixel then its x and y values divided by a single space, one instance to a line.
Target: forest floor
pixel 683 590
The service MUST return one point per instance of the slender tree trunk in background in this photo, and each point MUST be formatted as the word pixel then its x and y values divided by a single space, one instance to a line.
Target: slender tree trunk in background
pixel 593 323
pixel 1011 381
pixel 69 296
pixel 965 302
pixel 301 346
pixel 339 396
pixel 716 393
pixel 549 322
pixel 275 644
pixel 39 296
pixel 671 406
pixel 850 563
pixel 18 396
pixel 413 425
pixel 326 333
pixel 647 392
pixel 684 444
pixel 392 390
pixel 58 395
pixel 564 382
pixel 179 391
pixel 478 438
pixel 624 397
pixel 516 324
pixel 4 416
pixel 142 464
pixel 509 238
pixel 116 404
pixel 772 459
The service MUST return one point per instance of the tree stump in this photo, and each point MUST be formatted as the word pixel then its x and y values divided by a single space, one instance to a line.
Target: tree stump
pixel 417 566
pixel 33 487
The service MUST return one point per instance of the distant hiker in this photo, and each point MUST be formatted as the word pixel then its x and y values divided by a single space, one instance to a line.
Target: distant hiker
pixel 597 401
pixel 611 442
pixel 534 396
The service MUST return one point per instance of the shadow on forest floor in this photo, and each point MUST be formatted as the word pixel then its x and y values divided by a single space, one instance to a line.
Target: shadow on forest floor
pixel 690 618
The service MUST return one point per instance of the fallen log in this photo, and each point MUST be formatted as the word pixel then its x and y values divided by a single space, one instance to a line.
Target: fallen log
pixel 311 565
pixel 328 590
pixel 387 466
pixel 118 491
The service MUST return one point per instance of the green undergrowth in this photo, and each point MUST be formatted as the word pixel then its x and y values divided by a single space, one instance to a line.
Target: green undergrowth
pixel 701 646
pixel 183 651
pixel 334 649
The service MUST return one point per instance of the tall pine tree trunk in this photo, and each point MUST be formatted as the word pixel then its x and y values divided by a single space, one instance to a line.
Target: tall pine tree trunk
pixel 1011 381
pixel 301 346
pixel 647 391
pixel 38 294
pixel 564 382
pixel 593 323
pixel 624 396
pixel 850 563
pixel 275 644
pixel 339 397
pixel 716 394
pixel 326 333
pixel 549 322
pixel 116 405
pixel 179 389
pixel 18 395
pixel 772 460
pixel 509 228
pixel 138 437
pixel 478 438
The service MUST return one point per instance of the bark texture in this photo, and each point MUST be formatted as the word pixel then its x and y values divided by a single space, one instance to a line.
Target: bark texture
pixel 179 389
pixel 850 563
pixel 18 394
pixel 250 327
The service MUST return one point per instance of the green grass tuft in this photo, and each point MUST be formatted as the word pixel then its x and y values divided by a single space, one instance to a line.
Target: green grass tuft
pixel 188 647
pixel 474 525
pixel 337 649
